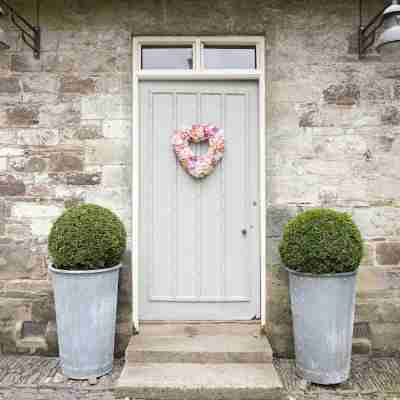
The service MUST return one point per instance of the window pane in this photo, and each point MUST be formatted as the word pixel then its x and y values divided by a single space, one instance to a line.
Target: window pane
pixel 158 57
pixel 230 57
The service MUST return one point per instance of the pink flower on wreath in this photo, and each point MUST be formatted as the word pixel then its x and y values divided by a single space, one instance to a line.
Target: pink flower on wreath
pixel 204 165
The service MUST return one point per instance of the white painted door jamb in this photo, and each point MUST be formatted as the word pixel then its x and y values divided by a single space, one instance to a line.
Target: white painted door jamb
pixel 198 73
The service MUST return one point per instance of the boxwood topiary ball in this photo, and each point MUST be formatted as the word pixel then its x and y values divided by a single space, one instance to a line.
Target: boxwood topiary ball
pixel 321 241
pixel 87 237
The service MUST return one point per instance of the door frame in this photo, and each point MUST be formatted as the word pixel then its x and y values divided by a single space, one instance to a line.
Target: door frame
pixel 197 73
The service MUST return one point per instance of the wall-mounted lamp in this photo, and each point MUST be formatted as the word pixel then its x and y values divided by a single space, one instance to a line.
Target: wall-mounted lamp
pixel 3 40
pixel 30 33
pixel 389 18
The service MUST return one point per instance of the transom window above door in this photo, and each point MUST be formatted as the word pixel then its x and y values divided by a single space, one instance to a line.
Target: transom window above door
pixel 167 57
pixel 199 54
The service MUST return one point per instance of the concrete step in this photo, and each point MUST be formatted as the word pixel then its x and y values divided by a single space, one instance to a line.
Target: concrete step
pixel 199 349
pixel 177 381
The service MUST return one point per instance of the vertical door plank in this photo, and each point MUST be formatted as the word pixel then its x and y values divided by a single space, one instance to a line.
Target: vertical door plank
pixel 211 213
pixel 236 193
pixel 163 194
pixel 187 208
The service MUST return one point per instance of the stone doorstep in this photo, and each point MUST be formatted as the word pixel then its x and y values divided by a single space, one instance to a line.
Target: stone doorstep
pixel 176 381
pixel 190 362
pixel 193 328
pixel 199 349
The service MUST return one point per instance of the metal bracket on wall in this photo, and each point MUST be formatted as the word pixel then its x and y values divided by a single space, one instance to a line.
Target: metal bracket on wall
pixel 30 34
pixel 367 33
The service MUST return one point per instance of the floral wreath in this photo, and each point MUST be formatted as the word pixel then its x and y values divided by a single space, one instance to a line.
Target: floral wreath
pixel 204 165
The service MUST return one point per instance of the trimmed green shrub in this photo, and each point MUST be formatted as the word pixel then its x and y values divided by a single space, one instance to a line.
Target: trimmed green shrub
pixel 321 241
pixel 87 237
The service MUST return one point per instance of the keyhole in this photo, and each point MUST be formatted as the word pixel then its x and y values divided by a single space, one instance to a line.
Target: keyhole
pixel 244 232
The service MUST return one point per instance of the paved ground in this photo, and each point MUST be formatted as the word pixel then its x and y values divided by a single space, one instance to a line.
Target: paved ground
pixel 371 379
pixel 37 378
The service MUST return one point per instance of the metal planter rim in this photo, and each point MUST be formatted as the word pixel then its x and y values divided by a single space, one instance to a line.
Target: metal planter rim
pixel 322 276
pixel 83 272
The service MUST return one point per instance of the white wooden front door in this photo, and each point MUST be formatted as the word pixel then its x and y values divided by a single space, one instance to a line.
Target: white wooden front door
pixel 199 239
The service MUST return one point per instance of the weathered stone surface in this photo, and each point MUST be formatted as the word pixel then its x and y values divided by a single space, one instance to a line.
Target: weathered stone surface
pixel 108 152
pixel 9 85
pixel 11 186
pixel 88 39
pixel 124 289
pixel 78 178
pixel 22 210
pixel 14 260
pixel 116 175
pixel 38 137
pixel 40 227
pixel 33 289
pixel 7 136
pixel 72 203
pixel 84 62
pixel 35 85
pixel 396 90
pixel 378 282
pixel 32 164
pixel 3 164
pixel 10 311
pixel 60 114
pixel 116 199
pixel 103 107
pixel 6 151
pixel 81 133
pixel 388 253
pixel 376 92
pixel 385 336
pixel 391 116
pixel 278 217
pixel 342 94
pixel 17 230
pixel 338 147
pixel 383 311
pixel 378 222
pixel 65 162
pixel 119 129
pixel 3 209
pixel 280 337
pixel 25 62
pixel 22 116
pixel 368 254
pixel 43 309
pixel 309 116
pixel 75 85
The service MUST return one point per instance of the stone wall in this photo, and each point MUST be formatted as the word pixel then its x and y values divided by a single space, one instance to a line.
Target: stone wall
pixel 333 135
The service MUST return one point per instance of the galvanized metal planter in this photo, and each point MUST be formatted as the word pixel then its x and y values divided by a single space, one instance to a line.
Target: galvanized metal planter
pixel 86 305
pixel 323 317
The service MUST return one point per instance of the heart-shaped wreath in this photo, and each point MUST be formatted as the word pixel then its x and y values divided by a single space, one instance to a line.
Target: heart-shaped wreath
pixel 204 165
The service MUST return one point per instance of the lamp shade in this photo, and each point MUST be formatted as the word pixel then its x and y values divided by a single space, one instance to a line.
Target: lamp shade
pixel 391 26
pixel 3 40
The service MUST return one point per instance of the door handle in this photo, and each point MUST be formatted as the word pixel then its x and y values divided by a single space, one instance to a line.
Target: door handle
pixel 244 232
